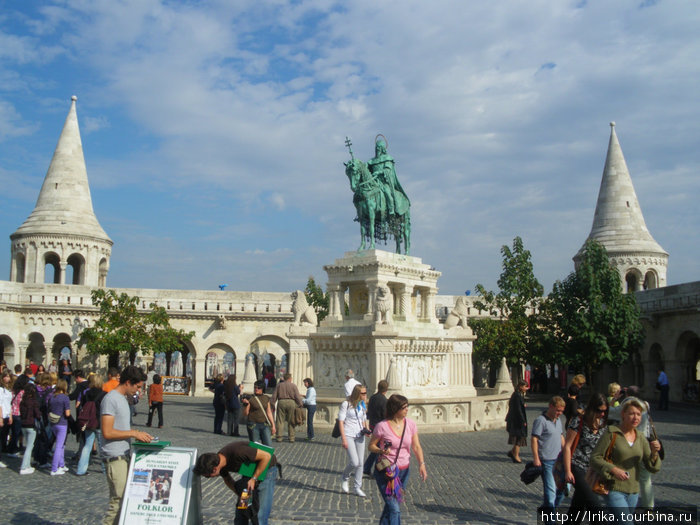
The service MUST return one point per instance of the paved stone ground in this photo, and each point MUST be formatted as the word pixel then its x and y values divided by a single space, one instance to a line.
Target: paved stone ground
pixel 470 478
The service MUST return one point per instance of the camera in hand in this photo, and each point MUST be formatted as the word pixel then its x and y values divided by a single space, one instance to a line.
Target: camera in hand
pixel 245 398
pixel 366 432
pixel 387 444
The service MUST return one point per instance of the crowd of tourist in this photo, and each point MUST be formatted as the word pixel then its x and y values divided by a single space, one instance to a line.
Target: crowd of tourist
pixel 38 416
pixel 605 453
pixel 602 455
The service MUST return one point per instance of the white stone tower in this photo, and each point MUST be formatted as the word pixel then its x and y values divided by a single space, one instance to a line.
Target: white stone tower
pixel 618 224
pixel 62 232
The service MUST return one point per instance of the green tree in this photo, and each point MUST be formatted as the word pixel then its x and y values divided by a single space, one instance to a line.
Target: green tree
pixel 515 331
pixel 120 327
pixel 590 320
pixel 316 298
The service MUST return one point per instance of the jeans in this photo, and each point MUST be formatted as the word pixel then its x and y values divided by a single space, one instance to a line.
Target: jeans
pixel 266 493
pixel 156 405
pixel 85 452
pixel 552 496
pixel 117 472
pixel 260 433
pixel 29 437
pixel 232 416
pixel 391 515
pixel 356 453
pixel 622 504
pixel 60 431
pixel 310 421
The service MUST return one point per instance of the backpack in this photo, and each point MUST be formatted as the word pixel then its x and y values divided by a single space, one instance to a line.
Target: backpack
pixel 87 419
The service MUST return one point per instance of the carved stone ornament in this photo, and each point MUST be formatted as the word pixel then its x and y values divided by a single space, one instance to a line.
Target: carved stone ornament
pixel 303 311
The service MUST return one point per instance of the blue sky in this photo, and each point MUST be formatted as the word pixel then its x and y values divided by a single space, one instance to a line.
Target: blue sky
pixel 214 131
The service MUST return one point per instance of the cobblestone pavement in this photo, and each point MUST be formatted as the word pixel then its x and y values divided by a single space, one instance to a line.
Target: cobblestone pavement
pixel 470 478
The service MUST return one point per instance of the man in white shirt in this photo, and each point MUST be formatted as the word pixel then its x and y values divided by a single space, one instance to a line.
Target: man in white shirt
pixel 350 382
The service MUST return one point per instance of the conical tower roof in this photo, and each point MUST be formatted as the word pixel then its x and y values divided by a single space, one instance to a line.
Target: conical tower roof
pixel 618 223
pixel 64 206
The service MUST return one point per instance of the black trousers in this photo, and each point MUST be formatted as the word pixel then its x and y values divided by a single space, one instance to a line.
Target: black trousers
pixel 584 498
pixel 156 405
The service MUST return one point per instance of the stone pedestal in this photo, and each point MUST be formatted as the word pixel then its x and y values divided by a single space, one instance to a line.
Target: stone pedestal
pixel 391 332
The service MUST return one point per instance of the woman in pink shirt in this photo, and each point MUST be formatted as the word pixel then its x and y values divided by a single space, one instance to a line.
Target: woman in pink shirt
pixel 395 438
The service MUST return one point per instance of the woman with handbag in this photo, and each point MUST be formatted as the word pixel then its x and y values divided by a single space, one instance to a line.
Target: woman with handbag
pixel 353 424
pixel 582 436
pixel 394 439
pixel 620 454
pixel 59 412
pixel 516 422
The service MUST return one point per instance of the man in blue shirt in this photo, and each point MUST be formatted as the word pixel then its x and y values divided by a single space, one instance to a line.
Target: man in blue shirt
pixel 547 442
pixel 663 386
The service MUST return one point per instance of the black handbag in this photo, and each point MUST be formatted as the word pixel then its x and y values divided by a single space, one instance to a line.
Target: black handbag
pixel 336 429
pixel 655 437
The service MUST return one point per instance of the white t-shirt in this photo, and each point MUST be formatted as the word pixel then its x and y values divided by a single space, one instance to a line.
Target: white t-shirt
pixel 353 418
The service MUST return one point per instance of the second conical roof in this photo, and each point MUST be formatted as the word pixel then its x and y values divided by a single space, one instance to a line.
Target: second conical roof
pixel 64 205
pixel 618 223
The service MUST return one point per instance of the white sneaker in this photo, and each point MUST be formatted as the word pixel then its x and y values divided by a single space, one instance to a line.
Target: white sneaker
pixel 58 473
pixel 64 469
pixel 345 486
pixel 2 465
pixel 360 493
pixel 28 470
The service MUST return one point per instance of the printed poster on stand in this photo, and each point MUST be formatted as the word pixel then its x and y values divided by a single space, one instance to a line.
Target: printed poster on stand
pixel 161 488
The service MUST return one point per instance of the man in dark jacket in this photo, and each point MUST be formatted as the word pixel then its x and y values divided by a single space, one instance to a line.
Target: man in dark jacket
pixel 375 413
pixel 81 386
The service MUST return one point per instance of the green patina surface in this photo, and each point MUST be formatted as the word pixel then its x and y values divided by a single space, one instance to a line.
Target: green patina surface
pixel 383 208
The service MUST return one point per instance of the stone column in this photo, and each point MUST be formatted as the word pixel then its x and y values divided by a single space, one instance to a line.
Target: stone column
pixel 371 297
pixel 335 310
pixel 405 309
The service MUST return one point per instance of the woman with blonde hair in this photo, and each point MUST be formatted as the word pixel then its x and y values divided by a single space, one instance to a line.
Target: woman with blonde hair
pixel 630 451
pixel 353 424
pixel 59 412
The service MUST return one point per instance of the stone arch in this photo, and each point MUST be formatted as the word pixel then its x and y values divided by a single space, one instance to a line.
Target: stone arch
pixel 53 261
pixel 651 280
pixel 7 350
pixel 272 353
pixel 688 356
pixel 220 358
pixel 103 268
pixel 633 280
pixel 76 267
pixel 19 266
pixel 36 350
pixel 62 348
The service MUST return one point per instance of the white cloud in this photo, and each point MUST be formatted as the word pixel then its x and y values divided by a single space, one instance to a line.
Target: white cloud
pixel 496 114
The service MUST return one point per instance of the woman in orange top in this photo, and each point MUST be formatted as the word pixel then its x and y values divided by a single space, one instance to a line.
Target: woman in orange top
pixel 155 400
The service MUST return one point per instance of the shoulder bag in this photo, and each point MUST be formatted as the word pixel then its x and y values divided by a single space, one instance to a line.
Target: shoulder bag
pixel 336 428
pixel 383 462
pixel 597 481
